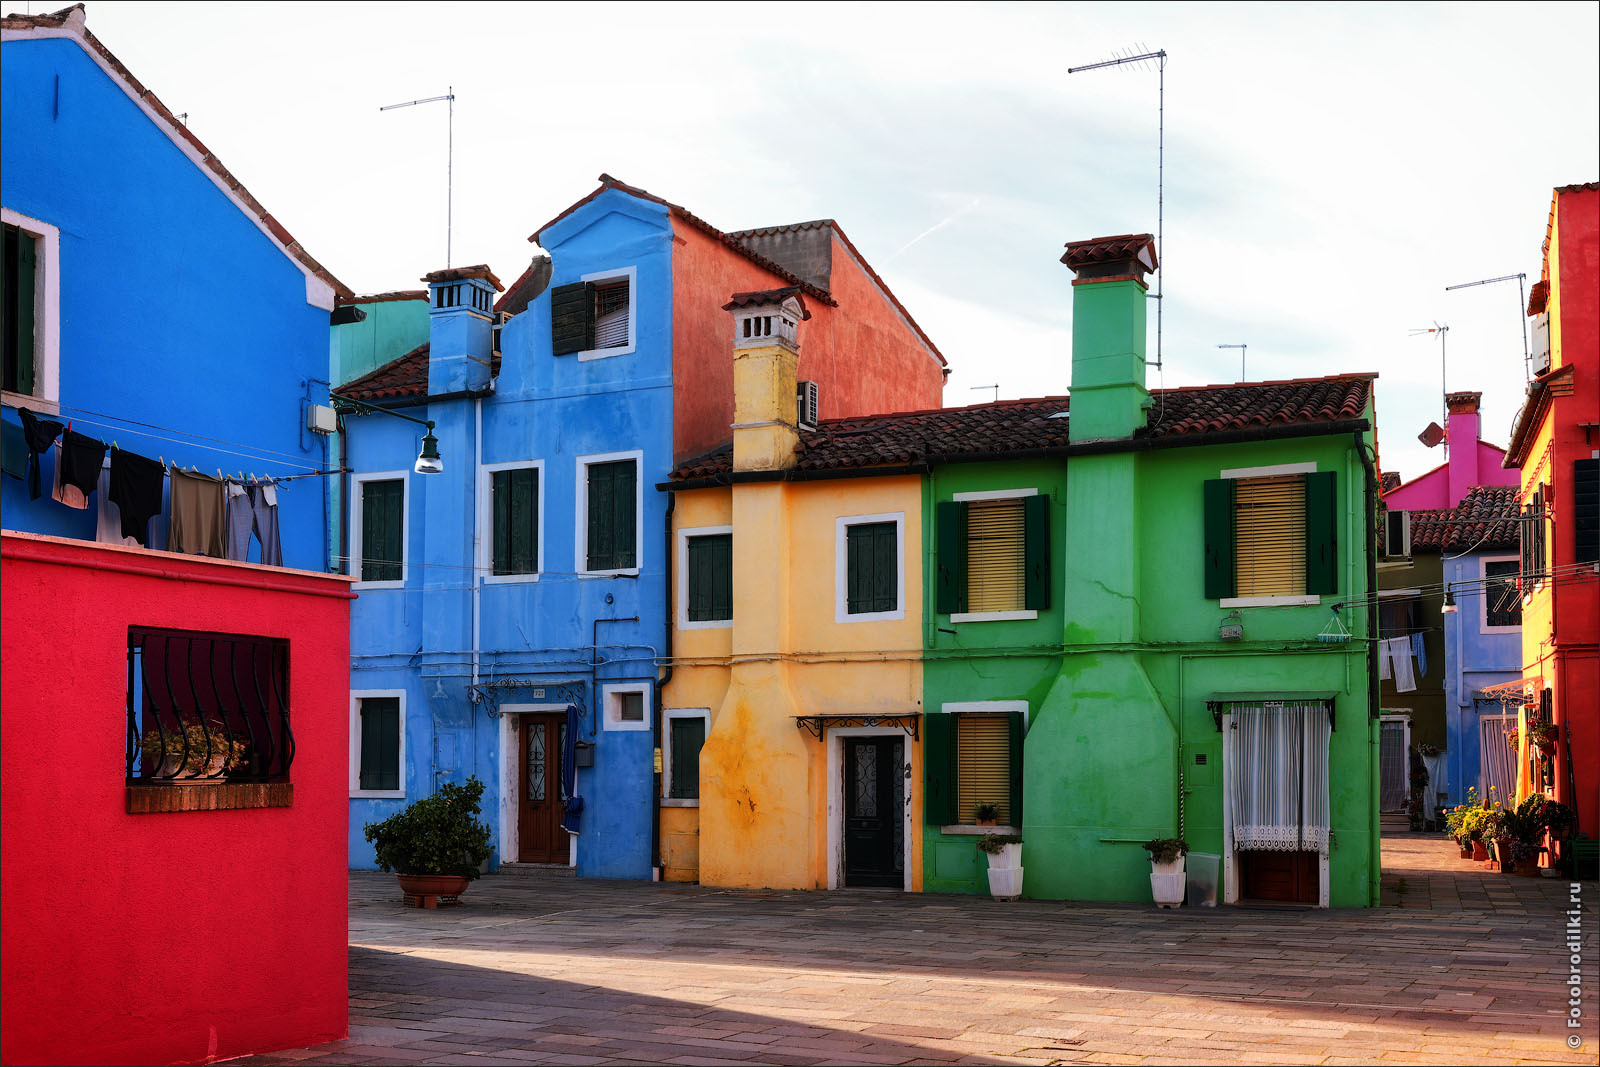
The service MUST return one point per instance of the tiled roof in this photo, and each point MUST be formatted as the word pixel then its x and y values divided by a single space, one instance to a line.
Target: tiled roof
pixel 71 19
pixel 403 377
pixel 1486 518
pixel 1012 426
pixel 768 296
pixel 385 298
pixel 526 289
pixel 456 274
pixel 1123 246
pixel 1390 480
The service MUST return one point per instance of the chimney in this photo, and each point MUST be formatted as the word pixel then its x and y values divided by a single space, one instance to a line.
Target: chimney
pixel 460 328
pixel 1462 430
pixel 766 353
pixel 1109 398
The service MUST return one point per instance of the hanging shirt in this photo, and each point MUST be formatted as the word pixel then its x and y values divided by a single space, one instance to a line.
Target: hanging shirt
pixel 197 514
pixel 108 517
pixel 1419 648
pixel 136 486
pixel 40 435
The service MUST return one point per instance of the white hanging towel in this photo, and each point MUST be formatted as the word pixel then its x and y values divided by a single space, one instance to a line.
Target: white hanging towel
pixel 1382 652
pixel 1405 680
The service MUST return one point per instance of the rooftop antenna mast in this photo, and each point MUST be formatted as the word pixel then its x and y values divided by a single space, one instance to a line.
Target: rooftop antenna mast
pixel 1444 389
pixel 1241 349
pixel 449 161
pixel 995 387
pixel 1159 56
pixel 1522 319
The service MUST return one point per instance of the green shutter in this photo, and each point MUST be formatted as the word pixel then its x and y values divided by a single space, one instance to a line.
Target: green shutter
pixel 1322 533
pixel 624 514
pixel 1585 510
pixel 872 574
pixel 885 567
pixel 515 498
pixel 571 318
pixel 382 530
pixel 938 770
pixel 1036 552
pixel 21 262
pixel 613 540
pixel 950 521
pixel 1219 575
pixel 380 743
pixel 1014 729
pixel 688 737
pixel 601 545
pixel 710 578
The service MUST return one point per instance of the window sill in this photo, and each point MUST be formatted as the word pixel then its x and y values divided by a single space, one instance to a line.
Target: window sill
pixel 606 353
pixel 511 579
pixel 37 404
pixel 869 616
pixel 1268 601
pixel 620 572
pixel 978 831
pixel 993 616
pixel 378 585
pixel 377 794
pixel 618 726
pixel 708 624
pixel 679 802
pixel 153 798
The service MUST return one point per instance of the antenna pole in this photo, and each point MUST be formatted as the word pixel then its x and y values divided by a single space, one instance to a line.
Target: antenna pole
pixel 449 162
pixel 1522 313
pixel 1242 349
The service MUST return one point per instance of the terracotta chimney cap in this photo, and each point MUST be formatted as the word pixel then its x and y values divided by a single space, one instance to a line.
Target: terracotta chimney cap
pixel 1462 403
pixel 1123 255
pixel 457 274
pixel 768 297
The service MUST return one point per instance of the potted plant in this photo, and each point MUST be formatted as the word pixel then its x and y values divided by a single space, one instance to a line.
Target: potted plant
pixel 435 845
pixel 1559 819
pixel 1545 736
pixel 196 752
pixel 986 814
pixel 1005 864
pixel 1166 870
pixel 1454 823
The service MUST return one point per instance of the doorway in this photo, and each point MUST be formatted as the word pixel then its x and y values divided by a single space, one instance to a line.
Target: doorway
pixel 1281 877
pixel 874 799
pixel 541 800
pixel 1394 763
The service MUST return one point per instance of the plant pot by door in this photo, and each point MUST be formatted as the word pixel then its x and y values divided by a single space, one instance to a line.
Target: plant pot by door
pixel 1008 857
pixel 1480 851
pixel 429 890
pixel 1005 883
pixel 1167 889
pixel 1170 867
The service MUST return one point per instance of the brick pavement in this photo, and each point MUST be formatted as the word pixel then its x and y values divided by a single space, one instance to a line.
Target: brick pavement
pixel 1468 967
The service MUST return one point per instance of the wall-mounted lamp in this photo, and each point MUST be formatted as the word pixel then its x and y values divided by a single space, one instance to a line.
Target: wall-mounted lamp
pixel 428 461
pixel 1449 601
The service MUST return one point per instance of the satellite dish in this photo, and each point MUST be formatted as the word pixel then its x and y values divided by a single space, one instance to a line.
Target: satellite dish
pixel 1432 435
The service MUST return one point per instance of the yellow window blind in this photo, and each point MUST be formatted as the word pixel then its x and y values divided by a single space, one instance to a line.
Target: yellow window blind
pixel 995 561
pixel 1269 524
pixel 983 765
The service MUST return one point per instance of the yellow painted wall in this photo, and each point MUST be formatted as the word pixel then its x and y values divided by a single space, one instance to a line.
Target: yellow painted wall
pixel 764 813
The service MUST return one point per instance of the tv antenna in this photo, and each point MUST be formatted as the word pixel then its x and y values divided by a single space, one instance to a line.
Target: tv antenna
pixel 1241 349
pixel 995 387
pixel 1444 405
pixel 1159 56
pixel 1522 319
pixel 449 160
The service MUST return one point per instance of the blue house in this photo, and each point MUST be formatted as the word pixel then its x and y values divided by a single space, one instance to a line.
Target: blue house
pixel 513 606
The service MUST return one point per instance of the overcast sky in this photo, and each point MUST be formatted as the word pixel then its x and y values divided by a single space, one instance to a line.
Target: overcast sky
pixel 1329 168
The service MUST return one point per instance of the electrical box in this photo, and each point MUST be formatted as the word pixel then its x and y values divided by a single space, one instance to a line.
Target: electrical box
pixel 321 419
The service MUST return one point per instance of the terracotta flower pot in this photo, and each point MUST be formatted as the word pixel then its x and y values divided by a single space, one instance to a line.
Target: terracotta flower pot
pixel 1466 852
pixel 1480 851
pixel 425 890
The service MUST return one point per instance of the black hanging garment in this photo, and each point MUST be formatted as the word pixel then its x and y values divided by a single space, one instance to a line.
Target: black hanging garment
pixel 81 457
pixel 41 434
pixel 136 484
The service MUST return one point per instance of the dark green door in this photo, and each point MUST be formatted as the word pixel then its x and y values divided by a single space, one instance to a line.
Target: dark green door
pixel 874 794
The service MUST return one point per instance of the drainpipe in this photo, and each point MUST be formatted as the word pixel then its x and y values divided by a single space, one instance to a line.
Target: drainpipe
pixel 1375 825
pixel 658 726
pixel 477 535
pixel 344 498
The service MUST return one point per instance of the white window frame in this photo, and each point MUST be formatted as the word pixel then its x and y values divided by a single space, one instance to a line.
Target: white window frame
pixel 632 274
pixel 671 714
pixel 356 697
pixel 1405 534
pixel 612 708
pixel 581 512
pixel 357 499
pixel 46 395
pixel 683 578
pixel 841 567
pixel 994 616
pixel 1242 473
pixel 486 475
pixel 983 707
pixel 1483 584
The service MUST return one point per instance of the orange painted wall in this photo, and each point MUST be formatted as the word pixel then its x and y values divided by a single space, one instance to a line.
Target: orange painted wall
pixel 862 354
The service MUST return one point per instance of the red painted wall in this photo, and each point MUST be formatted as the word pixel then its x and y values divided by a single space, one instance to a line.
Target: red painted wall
pixel 863 356
pixel 164 938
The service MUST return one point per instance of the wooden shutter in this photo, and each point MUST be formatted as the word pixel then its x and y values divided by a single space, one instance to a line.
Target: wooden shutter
pixel 515 498
pixel 688 737
pixel 1219 574
pixel 872 577
pixel 571 318
pixel 1586 510
pixel 1269 535
pixel 983 765
pixel 382 530
pixel 613 540
pixel 1036 551
pixel 996 571
pixel 710 578
pixel 1322 532
pixel 624 512
pixel 380 743
pixel 20 265
pixel 1014 734
pixel 950 520
pixel 938 771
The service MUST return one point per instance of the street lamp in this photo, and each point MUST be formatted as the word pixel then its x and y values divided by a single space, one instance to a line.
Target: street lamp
pixel 428 460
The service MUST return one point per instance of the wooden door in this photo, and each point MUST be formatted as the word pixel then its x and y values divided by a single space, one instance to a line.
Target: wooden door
pixel 1289 877
pixel 540 798
pixel 871 813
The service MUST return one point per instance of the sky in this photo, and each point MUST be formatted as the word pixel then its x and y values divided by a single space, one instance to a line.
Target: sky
pixel 1329 168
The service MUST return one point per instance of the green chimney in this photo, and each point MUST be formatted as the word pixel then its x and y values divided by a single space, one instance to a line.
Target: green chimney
pixel 1109 398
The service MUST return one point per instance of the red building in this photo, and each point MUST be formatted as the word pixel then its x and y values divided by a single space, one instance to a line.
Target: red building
pixel 1554 442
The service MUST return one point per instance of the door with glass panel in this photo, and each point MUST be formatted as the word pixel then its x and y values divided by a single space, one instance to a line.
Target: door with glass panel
pixel 540 797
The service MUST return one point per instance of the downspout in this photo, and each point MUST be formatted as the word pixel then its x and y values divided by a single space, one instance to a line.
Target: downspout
pixel 344 498
pixel 477 535
pixel 658 725
pixel 1374 823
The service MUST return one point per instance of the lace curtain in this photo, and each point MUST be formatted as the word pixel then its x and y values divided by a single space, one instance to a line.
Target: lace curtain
pixel 1277 776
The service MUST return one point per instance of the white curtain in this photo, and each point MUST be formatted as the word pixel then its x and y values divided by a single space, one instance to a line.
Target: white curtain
pixel 1497 758
pixel 1394 767
pixel 1277 773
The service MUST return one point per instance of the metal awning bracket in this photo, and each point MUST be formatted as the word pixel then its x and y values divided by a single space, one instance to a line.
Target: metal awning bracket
pixel 818 725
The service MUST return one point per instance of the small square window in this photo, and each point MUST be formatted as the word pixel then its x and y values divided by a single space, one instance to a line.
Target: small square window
pixel 627 707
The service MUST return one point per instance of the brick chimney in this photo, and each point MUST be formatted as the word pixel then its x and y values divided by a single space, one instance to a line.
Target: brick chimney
pixel 766 354
pixel 1462 430
pixel 460 328
pixel 1109 398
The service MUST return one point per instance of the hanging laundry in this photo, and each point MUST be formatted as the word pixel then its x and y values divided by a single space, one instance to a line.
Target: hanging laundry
pixel 78 464
pixel 1419 648
pixel 62 493
pixel 136 485
pixel 40 435
pixel 14 450
pixel 1382 652
pixel 108 517
pixel 1400 652
pixel 197 514
pixel 253 509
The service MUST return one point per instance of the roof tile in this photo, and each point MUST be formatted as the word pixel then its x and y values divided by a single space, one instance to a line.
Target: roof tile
pixel 1486 518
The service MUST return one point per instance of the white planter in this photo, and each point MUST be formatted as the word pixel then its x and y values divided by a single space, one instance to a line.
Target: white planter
pixel 1009 856
pixel 1174 867
pixel 1005 883
pixel 1167 889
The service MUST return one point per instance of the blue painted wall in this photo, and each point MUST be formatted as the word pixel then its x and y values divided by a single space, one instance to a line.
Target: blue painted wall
pixel 176 310
pixel 1474 660
pixel 553 629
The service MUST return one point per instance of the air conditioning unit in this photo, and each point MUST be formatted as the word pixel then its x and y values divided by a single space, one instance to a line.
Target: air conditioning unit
pixel 805 395
pixel 1539 343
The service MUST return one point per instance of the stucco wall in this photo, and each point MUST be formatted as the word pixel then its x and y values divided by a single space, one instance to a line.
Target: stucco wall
pixel 162 938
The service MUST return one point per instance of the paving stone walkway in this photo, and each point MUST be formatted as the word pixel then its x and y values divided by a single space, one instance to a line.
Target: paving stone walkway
pixel 1467 967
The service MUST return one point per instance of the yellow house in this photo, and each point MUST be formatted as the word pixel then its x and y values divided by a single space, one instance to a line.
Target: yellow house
pixel 792 712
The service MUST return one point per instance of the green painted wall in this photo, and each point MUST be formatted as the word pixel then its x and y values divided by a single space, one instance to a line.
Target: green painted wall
pixel 391 329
